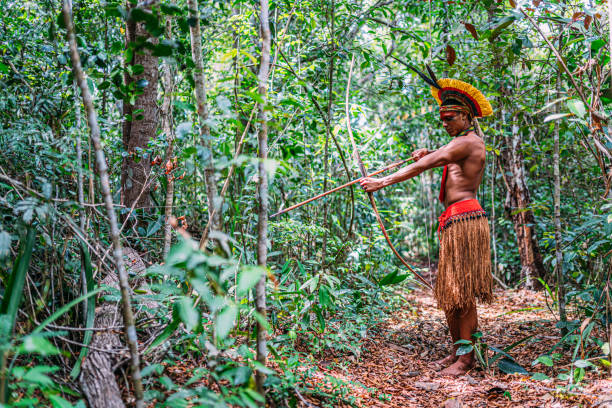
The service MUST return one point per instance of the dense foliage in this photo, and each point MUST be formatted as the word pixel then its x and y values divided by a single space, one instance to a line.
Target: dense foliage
pixel 330 276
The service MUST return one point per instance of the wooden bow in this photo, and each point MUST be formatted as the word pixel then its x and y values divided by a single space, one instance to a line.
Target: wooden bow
pixel 364 173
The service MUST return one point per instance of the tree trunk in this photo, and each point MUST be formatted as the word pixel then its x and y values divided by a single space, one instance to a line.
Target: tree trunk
pixel 202 104
pixel 97 377
pixel 328 124
pixel 143 117
pixel 557 212
pixel 92 121
pixel 167 124
pixel 262 192
pixel 517 206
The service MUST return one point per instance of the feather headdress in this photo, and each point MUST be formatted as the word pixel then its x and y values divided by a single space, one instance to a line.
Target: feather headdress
pixel 453 94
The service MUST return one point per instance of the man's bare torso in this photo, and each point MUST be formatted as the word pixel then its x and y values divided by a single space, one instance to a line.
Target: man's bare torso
pixel 464 176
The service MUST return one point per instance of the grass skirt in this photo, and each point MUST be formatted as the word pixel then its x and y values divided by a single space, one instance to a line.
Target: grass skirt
pixel 464 268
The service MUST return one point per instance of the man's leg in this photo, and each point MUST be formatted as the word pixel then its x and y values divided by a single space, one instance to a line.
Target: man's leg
pixel 468 324
pixel 453 325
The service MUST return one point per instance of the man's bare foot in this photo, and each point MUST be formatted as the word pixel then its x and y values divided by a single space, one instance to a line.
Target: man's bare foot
pixel 458 368
pixel 445 362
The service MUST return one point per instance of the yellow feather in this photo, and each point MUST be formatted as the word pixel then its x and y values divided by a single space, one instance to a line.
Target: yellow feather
pixel 475 94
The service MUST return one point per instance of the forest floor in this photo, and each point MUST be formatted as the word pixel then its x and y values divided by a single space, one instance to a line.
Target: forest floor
pixel 393 367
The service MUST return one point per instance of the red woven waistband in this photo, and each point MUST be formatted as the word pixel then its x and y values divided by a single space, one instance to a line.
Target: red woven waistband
pixel 460 209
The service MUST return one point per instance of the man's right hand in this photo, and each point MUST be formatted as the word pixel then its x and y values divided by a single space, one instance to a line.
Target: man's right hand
pixel 419 154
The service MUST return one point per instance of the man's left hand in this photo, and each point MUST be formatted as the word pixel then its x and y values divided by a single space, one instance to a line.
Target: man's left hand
pixel 371 184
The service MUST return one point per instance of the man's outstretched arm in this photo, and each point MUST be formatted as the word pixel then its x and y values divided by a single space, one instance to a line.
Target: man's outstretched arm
pixel 454 151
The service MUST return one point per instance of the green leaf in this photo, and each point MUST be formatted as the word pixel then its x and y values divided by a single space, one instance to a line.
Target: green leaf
pixel 163 50
pixel 248 278
pixel 225 321
pixel 576 107
pixel 59 402
pixel 168 330
pixel 188 313
pixel 255 395
pixel 503 23
pixel 129 55
pixel 38 375
pixel 464 349
pixel 255 96
pixel 583 363
pixel 37 344
pixel 242 375
pixel 546 360
pixel 142 83
pixel 324 296
pixel 229 55
pixel 596 45
pixel 540 377
pixel 5 244
pixel 510 367
pixel 579 374
pixel 14 288
pixel 291 101
pixel 170 9
pixel 392 278
pixel 556 116
pixel 262 320
pixel 320 318
pixel 151 369
pixel 262 368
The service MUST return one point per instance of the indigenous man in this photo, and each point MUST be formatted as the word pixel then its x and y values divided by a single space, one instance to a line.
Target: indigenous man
pixel 464 268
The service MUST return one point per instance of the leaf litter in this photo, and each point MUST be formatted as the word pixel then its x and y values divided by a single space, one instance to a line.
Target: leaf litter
pixel 393 368
pixel 394 371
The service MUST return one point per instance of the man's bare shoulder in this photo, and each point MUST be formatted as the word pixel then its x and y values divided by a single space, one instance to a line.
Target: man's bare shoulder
pixel 475 140
pixel 471 140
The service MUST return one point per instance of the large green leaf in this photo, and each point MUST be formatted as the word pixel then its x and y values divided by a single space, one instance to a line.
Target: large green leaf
pixel 14 288
pixel 576 107
pixel 188 313
pixel 392 278
pixel 509 366
pixel 248 278
pixel 225 321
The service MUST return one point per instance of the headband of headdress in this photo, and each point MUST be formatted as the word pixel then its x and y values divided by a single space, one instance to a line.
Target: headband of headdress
pixel 454 95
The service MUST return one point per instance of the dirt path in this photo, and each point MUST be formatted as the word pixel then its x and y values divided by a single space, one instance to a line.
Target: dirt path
pixel 393 371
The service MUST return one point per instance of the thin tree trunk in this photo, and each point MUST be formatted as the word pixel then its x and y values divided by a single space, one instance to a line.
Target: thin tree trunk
pixel 80 192
pixel 609 195
pixel 142 123
pixel 517 205
pixel 328 124
pixel 92 121
pixel 493 222
pixel 167 125
pixel 557 213
pixel 202 104
pixel 262 192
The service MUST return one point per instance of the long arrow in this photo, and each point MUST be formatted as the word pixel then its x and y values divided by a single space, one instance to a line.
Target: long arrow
pixel 333 190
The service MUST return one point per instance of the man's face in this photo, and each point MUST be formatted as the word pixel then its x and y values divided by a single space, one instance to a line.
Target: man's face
pixel 454 122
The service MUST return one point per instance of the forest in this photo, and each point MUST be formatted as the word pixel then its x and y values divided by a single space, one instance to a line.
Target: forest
pixel 152 151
